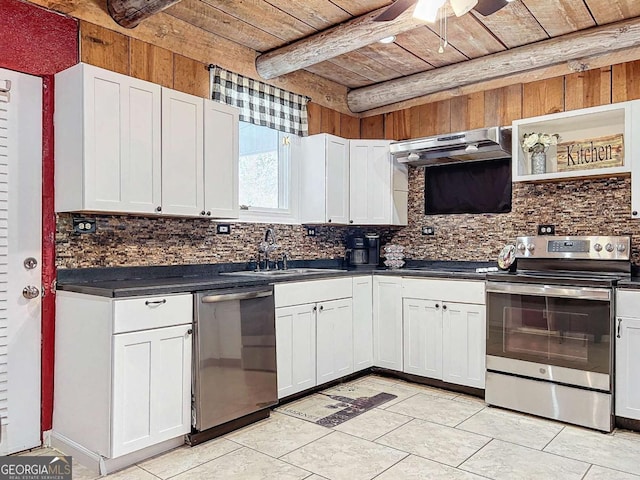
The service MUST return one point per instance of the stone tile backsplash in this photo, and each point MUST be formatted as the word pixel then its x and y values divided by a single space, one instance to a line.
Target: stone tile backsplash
pixel 576 207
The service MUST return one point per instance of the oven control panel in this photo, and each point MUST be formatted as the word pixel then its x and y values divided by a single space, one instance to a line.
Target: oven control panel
pixel 579 247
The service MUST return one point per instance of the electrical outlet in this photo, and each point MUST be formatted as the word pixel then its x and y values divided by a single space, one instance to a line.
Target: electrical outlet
pixel 84 225
pixel 311 231
pixel 223 229
pixel 428 230
pixel 546 229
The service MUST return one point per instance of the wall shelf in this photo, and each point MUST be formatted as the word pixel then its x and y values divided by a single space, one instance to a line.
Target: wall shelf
pixel 576 126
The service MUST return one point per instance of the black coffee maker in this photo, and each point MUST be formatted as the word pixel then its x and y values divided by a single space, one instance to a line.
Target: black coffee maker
pixel 363 250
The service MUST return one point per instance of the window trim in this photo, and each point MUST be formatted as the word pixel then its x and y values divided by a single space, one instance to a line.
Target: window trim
pixel 291 195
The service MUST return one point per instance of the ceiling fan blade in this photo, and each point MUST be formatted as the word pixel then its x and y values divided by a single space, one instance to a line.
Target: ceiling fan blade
pixel 394 10
pixel 487 7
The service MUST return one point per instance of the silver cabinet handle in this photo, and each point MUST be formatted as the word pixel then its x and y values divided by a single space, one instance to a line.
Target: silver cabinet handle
pixel 619 324
pixel 148 303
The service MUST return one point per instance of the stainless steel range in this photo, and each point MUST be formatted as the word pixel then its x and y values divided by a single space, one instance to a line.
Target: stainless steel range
pixel 550 327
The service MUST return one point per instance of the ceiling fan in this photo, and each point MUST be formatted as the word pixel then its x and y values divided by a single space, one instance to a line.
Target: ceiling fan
pixel 428 9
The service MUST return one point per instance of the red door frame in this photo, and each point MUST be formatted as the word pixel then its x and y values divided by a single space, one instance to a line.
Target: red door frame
pixel 40 42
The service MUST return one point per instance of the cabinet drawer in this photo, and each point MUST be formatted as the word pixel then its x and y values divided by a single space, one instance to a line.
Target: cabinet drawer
pixel 299 293
pixel 460 291
pixel 628 303
pixel 151 312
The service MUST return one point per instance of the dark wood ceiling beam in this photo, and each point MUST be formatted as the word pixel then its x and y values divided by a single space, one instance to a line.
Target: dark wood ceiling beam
pixel 338 40
pixel 573 49
pixel 129 13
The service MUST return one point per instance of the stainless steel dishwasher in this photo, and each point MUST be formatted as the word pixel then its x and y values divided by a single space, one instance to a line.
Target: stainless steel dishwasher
pixel 234 364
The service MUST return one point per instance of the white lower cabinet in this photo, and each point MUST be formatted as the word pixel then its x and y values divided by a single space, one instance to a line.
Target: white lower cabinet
pixel 122 372
pixel 463 344
pixel 296 348
pixel 422 337
pixel 627 381
pixel 151 369
pixel 387 322
pixel 334 340
pixel 445 338
pixel 314 333
pixel 362 322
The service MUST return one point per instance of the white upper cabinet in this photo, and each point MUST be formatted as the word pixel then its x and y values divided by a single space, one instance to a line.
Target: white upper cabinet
pixel 324 180
pixel 129 146
pixel 221 147
pixel 107 145
pixel 351 182
pixel 182 153
pixel 371 172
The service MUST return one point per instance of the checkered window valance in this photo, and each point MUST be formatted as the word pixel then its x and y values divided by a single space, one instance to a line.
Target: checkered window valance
pixel 259 103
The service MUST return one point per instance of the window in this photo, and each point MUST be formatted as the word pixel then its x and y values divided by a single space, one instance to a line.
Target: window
pixel 266 174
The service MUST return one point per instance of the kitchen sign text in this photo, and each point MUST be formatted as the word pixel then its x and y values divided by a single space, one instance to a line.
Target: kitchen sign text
pixel 602 152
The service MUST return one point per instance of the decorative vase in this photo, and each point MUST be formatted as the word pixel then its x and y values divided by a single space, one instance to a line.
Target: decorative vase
pixel 538 162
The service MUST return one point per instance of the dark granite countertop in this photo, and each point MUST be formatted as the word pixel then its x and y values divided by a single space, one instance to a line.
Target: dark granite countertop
pixel 136 281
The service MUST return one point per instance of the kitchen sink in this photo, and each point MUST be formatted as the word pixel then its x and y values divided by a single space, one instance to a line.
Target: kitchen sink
pixel 282 273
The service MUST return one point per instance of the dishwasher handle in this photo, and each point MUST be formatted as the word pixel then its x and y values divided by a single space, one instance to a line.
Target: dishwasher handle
pixel 225 297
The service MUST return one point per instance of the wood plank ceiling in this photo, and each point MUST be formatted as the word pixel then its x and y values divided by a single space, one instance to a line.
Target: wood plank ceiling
pixel 264 25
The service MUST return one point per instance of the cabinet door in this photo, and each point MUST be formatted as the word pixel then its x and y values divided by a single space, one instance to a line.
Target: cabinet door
pixel 627 372
pixel 423 337
pixel 337 165
pixel 387 322
pixel 295 348
pixel 122 142
pixel 220 160
pixel 463 344
pixel 182 153
pixel 370 193
pixel 334 341
pixel 362 323
pixel 151 387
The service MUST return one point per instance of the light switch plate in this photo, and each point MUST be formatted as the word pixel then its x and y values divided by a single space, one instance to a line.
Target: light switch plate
pixel 223 229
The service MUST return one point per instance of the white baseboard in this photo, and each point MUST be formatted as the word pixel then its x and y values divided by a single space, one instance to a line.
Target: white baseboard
pixel 104 466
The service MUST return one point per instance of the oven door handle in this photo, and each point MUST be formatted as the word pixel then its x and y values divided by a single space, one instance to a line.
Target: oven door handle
pixel 578 293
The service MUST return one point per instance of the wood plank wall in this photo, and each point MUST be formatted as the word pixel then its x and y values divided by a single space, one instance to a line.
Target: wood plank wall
pixel 120 53
pixel 617 83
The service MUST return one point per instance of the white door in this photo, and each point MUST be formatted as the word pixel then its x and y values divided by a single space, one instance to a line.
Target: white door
pixel 463 344
pixel 337 151
pixel 295 348
pixel 151 387
pixel 370 182
pixel 423 337
pixel 334 340
pixel 362 322
pixel 182 153
pixel 387 322
pixel 20 238
pixel 221 147
pixel 627 372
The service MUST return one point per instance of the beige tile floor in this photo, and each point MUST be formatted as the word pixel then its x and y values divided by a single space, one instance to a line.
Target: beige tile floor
pixel 425 433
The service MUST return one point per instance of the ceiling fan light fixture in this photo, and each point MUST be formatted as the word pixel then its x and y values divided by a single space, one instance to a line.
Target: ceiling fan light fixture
pixel 389 39
pixel 427 10
pixel 460 7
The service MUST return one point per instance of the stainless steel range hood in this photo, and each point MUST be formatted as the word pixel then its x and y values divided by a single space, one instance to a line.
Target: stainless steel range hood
pixel 482 144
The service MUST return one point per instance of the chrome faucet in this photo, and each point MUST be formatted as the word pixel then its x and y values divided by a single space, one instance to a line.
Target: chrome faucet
pixel 268 245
